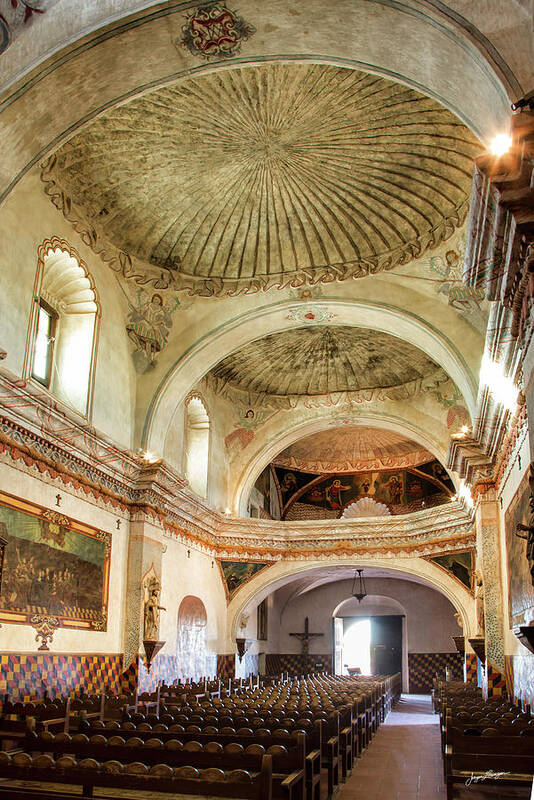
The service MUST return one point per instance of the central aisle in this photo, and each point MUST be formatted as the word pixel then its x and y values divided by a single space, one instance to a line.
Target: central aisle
pixel 403 761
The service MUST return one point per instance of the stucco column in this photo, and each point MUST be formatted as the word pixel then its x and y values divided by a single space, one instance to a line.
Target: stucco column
pixel 487 529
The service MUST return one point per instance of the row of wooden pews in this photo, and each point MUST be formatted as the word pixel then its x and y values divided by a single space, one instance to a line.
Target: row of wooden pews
pixel 483 741
pixel 261 741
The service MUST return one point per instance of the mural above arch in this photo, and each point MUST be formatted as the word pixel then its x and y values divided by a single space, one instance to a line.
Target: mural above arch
pixel 325 475
pixel 461 564
pixel 237 573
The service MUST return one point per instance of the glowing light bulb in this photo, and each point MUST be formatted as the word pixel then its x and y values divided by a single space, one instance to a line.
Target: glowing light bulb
pixel 465 429
pixel 501 144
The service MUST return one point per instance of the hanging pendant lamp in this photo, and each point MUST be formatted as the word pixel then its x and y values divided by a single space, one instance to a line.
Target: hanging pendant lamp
pixel 359 583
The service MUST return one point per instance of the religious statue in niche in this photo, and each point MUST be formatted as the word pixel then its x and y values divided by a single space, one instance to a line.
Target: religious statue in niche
pixel 479 603
pixel 152 588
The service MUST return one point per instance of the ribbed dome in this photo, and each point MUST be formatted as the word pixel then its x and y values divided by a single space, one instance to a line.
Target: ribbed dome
pixel 322 360
pixel 248 176
pixel 352 448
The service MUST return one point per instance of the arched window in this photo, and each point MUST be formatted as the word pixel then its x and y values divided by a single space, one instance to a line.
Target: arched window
pixel 63 326
pixel 197 441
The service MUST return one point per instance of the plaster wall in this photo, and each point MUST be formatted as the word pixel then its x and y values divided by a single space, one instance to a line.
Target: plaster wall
pixel 374 34
pixel 430 621
pixel 519 464
pixel 21 638
pixel 114 376
pixel 191 575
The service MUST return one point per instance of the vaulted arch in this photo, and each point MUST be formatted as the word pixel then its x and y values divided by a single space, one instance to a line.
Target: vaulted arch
pixel 284 572
pixel 214 345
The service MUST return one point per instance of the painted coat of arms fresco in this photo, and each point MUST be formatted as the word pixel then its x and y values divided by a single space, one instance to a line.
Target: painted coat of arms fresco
pixel 54 567
pixel 215 31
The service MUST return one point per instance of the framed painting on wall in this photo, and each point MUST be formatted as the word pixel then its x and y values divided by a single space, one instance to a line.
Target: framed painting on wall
pixel 53 566
pixel 262 621
pixel 520 589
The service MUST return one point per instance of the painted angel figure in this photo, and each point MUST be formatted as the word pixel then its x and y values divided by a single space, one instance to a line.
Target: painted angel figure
pixel 461 297
pixel 149 324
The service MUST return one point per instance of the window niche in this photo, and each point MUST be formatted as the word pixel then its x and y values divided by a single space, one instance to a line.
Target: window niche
pixel 63 327
pixel 197 442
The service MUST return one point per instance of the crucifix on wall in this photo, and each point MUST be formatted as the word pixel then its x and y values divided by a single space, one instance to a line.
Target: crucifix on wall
pixel 305 637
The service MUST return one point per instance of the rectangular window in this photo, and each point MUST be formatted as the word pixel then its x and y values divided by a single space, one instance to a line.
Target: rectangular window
pixel 43 350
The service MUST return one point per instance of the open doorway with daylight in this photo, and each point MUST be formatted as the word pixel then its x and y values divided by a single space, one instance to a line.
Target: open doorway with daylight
pixel 369 637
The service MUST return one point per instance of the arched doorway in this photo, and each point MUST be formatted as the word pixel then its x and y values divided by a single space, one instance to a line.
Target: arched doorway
pixel 370 636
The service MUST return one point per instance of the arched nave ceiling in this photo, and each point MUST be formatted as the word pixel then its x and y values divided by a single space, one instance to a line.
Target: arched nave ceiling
pixel 351 448
pixel 324 360
pixel 261 175
pixel 399 324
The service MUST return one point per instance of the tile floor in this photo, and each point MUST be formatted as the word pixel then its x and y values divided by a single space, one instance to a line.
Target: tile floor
pixel 403 761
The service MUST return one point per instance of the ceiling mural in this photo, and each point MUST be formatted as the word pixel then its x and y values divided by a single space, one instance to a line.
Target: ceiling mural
pixel 324 360
pixel 262 176
pixel 335 495
pixel 352 449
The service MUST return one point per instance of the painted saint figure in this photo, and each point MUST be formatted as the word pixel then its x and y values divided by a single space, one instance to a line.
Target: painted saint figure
pixel 333 493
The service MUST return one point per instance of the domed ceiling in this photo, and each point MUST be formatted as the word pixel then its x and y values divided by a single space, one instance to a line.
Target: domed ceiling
pixel 266 175
pixel 324 360
pixel 352 449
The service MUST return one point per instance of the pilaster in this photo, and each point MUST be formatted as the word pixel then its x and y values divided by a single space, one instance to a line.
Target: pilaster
pixel 487 527
pixel 145 550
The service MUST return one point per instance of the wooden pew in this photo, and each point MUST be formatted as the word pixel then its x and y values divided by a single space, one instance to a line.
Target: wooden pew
pixel 267 739
pixel 497 760
pixel 288 764
pixel 91 774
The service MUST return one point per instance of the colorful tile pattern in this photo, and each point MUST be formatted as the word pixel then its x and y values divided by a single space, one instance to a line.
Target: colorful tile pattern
pixel 470 668
pixel 26 677
pixel 296 663
pixel 226 666
pixel 495 682
pixel 422 669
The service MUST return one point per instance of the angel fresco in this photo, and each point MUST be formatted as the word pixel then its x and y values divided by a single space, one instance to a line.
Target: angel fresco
pixel 465 299
pixel 149 323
